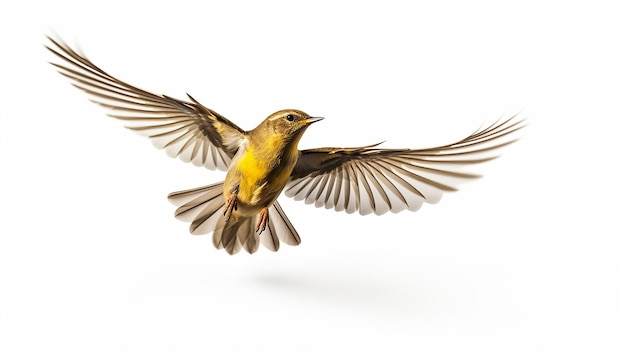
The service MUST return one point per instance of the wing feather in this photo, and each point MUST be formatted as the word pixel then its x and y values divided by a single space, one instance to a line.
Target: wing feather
pixel 374 180
pixel 185 129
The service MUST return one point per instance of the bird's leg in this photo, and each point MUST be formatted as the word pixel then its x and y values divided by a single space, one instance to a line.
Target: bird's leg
pixel 231 205
pixel 264 218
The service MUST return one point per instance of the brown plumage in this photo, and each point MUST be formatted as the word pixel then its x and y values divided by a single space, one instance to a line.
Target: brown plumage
pixel 262 162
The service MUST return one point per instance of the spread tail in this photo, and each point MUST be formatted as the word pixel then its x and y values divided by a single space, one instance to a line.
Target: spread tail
pixel 204 208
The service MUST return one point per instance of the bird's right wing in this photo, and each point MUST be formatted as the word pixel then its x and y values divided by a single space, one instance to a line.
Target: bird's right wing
pixel 187 130
pixel 374 180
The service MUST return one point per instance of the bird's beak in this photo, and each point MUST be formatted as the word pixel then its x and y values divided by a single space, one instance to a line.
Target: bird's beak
pixel 313 119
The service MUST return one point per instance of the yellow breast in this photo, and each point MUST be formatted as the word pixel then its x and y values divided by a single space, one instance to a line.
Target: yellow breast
pixel 264 171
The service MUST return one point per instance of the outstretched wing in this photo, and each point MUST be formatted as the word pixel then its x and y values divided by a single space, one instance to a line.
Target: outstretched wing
pixel 187 130
pixel 369 179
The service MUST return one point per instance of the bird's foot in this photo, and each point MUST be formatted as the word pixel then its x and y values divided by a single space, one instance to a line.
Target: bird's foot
pixel 231 205
pixel 264 218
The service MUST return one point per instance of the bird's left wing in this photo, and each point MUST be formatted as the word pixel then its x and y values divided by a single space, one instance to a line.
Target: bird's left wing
pixel 374 180
pixel 187 130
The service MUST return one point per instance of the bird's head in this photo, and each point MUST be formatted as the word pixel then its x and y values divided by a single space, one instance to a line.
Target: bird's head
pixel 288 124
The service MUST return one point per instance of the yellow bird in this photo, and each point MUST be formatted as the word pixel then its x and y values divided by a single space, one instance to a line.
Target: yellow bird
pixel 260 163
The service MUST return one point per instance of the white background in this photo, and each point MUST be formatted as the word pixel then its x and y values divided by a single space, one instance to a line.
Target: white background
pixel 528 259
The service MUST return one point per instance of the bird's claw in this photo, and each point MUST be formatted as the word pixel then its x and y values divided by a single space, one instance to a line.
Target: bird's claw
pixel 231 206
pixel 264 218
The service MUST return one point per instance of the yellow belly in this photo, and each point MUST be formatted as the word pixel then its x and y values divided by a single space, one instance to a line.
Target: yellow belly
pixel 260 180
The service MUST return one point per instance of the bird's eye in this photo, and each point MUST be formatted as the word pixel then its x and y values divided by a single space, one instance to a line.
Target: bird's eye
pixel 290 117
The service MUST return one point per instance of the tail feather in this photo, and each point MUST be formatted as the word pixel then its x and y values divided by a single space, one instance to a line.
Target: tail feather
pixel 184 196
pixel 200 206
pixel 237 233
pixel 225 236
pixel 282 227
pixel 249 238
pixel 203 207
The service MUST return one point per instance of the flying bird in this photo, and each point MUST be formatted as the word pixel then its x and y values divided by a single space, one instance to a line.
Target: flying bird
pixel 242 211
